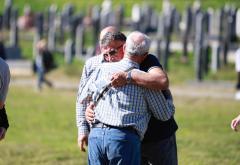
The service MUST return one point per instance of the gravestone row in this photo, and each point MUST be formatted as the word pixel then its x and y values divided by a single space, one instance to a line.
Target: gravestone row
pixel 209 31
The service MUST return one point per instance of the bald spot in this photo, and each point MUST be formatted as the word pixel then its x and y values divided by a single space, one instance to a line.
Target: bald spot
pixel 111 29
pixel 137 37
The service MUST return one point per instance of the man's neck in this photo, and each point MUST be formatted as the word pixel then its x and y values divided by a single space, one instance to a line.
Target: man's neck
pixel 137 59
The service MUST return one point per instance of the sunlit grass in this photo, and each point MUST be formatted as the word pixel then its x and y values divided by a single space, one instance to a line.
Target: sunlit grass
pixel 42 129
pixel 205 136
pixel 82 6
pixel 42 125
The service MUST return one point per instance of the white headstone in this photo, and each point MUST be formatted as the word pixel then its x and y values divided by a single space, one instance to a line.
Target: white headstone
pixel 238 23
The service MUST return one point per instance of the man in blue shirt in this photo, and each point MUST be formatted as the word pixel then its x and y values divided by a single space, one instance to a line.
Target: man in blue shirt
pixel 161 137
pixel 155 76
pixel 123 114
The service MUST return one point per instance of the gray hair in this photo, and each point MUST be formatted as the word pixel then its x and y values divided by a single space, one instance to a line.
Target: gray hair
pixel 112 36
pixel 137 44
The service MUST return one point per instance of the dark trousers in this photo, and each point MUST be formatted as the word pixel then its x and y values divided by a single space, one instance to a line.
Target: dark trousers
pixel 3 118
pixel 162 152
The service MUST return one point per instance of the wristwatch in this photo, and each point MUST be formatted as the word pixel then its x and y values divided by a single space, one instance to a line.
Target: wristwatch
pixel 129 77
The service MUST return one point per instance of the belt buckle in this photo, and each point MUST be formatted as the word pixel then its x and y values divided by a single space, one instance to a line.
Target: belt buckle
pixel 103 125
pixel 99 125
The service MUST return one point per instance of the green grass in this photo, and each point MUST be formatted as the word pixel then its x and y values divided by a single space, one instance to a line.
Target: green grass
pixel 180 72
pixel 42 130
pixel 42 125
pixel 205 137
pixel 82 6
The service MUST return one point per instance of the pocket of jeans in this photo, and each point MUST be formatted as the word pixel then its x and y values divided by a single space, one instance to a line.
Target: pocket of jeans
pixel 123 135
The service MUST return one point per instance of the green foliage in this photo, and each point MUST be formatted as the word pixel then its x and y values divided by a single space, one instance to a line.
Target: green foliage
pixel 225 73
pixel 179 72
pixel 75 69
pixel 82 6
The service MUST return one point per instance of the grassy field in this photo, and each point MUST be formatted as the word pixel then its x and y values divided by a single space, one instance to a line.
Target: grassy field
pixel 42 130
pixel 42 125
pixel 82 6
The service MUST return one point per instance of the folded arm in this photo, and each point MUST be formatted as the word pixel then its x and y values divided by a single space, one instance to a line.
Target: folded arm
pixel 155 78
pixel 161 108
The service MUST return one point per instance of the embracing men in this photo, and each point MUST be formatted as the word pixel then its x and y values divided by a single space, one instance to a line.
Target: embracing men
pixel 125 108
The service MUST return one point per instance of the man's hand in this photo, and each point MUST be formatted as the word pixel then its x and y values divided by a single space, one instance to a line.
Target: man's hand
pixel 89 114
pixel 2 133
pixel 235 123
pixel 119 79
pixel 82 142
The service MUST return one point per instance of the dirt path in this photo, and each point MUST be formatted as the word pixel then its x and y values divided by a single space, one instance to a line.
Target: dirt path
pixel 206 89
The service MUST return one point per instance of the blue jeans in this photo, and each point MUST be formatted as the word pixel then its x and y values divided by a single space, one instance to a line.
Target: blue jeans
pixel 162 152
pixel 113 146
pixel 41 78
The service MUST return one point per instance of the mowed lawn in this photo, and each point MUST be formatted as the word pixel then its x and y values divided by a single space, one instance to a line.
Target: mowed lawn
pixel 42 130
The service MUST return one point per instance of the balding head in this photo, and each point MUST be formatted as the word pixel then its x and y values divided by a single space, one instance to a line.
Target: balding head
pixel 107 29
pixel 137 44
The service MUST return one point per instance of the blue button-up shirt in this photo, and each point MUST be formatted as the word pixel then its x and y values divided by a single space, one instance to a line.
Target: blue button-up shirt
pixel 130 105
pixel 89 68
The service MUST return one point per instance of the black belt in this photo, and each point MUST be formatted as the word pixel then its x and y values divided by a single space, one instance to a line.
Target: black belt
pixel 102 125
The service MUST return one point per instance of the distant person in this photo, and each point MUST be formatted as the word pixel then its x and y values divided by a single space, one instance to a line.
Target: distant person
pixel 4 84
pixel 44 62
pixel 237 67
pixel 236 123
pixel 26 21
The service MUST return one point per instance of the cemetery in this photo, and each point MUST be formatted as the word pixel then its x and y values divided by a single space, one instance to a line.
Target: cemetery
pixel 195 42
pixel 210 34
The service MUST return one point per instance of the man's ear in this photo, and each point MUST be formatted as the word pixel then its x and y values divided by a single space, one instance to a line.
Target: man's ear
pixel 124 47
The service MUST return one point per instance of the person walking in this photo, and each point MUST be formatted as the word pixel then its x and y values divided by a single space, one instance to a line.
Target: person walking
pixel 44 62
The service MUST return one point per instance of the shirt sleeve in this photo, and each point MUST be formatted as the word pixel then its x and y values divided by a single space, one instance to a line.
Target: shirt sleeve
pixel 160 107
pixel 82 124
pixel 4 85
pixel 84 97
pixel 150 62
